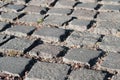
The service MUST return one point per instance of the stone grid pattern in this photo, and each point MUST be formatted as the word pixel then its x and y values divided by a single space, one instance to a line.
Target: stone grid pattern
pixel 59 39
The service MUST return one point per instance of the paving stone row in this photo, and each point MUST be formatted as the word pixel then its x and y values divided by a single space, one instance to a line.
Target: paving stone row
pixel 82 34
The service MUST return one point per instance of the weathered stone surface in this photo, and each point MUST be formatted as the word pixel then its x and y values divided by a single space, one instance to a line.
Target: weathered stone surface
pixel 82 39
pixel 83 14
pixel 31 18
pixel 88 1
pixel 42 3
pixel 112 60
pixel 14 65
pixel 49 34
pixel 86 74
pixel 20 31
pixel 46 51
pixel 109 16
pixel 59 11
pixel 107 27
pixel 16 44
pixel 114 8
pixel 3 38
pixel 110 43
pixel 116 77
pixel 48 71
pixel 86 6
pixel 18 2
pixel 34 9
pixel 110 2
pixel 2 25
pixel 79 25
pixel 81 56
pixel 56 20
pixel 65 4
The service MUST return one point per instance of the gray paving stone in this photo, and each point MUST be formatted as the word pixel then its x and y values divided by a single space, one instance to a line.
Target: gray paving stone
pixel 88 1
pixel 16 44
pixel 18 2
pixel 107 27
pixel 116 77
pixel 79 24
pixel 110 43
pixel 43 3
pixel 86 74
pixel 112 61
pixel 2 4
pixel 49 34
pixel 65 4
pixel 87 6
pixel 2 25
pixel 110 1
pixel 48 71
pixel 81 55
pixel 114 8
pixel 34 9
pixel 56 20
pixel 9 15
pixel 15 8
pixel 82 39
pixel 14 65
pixel 109 16
pixel 3 38
pixel 46 51
pixel 31 18
pixel 59 11
pixel 19 30
pixel 83 14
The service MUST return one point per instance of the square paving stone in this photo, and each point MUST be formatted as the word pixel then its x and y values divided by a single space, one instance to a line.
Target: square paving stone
pixel 110 43
pixel 43 3
pixel 108 16
pixel 83 14
pixel 19 30
pixel 16 44
pixel 31 18
pixel 34 9
pixel 46 51
pixel 116 77
pixel 48 71
pixel 112 61
pixel 86 74
pixel 59 11
pixel 65 4
pixel 107 27
pixel 81 56
pixel 82 39
pixel 56 20
pixel 14 65
pixel 49 34
pixel 79 25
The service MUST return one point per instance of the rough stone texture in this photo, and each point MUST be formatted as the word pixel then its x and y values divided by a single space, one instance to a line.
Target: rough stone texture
pixel 110 43
pixel 34 9
pixel 81 55
pixel 14 65
pixel 87 6
pixel 49 34
pixel 109 16
pixel 65 4
pixel 83 14
pixel 79 25
pixel 48 71
pixel 114 8
pixel 2 25
pixel 46 51
pixel 42 3
pixel 88 1
pixel 107 27
pixel 112 60
pixel 110 1
pixel 86 74
pixel 16 44
pixel 3 38
pixel 56 20
pixel 19 30
pixel 18 2
pixel 59 11
pixel 31 18
pixel 116 77
pixel 82 39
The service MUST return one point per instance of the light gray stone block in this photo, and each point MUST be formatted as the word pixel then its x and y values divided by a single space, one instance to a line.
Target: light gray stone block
pixel 86 74
pixel 48 71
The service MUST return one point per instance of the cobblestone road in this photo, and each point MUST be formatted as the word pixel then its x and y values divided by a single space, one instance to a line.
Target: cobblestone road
pixel 59 39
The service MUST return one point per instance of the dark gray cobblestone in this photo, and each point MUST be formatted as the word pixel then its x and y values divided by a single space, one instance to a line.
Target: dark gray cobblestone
pixel 59 39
